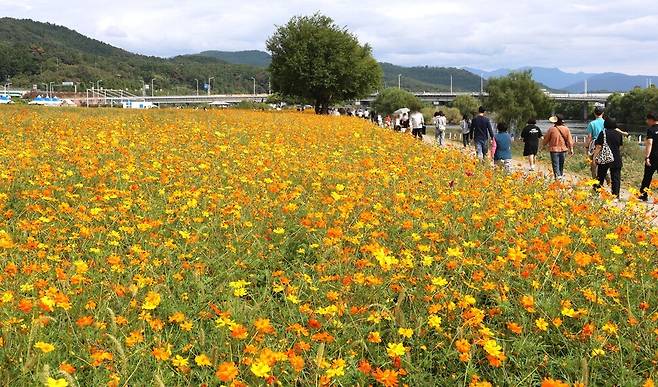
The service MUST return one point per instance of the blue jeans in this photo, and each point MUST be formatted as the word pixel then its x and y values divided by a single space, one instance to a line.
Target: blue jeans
pixel 482 148
pixel 557 159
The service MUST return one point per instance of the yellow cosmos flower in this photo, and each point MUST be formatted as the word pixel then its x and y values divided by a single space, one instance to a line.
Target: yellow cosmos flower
pixel 50 382
pixel 395 349
pixel 406 332
pixel 260 369
pixel 202 360
pixel 541 324
pixel 151 301
pixel 44 347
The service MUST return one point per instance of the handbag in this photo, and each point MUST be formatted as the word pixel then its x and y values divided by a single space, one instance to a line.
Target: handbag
pixel 605 156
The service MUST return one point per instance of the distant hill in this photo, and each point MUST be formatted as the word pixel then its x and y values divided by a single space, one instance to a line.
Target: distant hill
pixel 413 78
pixel 37 53
pixel 252 57
pixel 431 78
pixel 557 79
pixel 607 82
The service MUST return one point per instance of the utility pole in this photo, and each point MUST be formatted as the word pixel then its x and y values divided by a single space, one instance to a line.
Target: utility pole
pixel 399 81
pixel 585 86
pixel 152 85
pixel 450 84
pixel 197 87
pixel 254 79
pixel 209 79
pixel 481 84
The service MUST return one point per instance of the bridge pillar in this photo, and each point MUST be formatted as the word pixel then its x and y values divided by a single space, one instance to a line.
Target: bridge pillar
pixel 585 111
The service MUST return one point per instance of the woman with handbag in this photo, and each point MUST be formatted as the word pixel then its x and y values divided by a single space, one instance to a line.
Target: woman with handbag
pixel 607 155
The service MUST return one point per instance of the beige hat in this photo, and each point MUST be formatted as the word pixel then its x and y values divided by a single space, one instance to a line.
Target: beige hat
pixel 553 119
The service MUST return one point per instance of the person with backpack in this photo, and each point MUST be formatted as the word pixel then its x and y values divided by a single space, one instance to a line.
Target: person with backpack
pixel 531 135
pixel 559 141
pixel 440 124
pixel 607 155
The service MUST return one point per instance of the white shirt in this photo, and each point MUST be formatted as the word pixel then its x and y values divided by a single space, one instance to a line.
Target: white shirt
pixel 417 120
pixel 440 122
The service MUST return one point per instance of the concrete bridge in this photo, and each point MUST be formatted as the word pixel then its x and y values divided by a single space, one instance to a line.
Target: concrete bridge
pixel 117 97
pixel 439 98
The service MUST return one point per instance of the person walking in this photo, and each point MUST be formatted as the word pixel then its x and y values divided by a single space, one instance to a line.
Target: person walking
pixel 404 123
pixel 465 124
pixel 531 135
pixel 594 130
pixel 607 155
pixel 417 123
pixel 503 155
pixel 559 141
pixel 650 155
pixel 440 124
pixel 482 133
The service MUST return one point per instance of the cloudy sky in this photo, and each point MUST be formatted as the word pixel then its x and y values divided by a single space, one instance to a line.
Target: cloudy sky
pixel 574 35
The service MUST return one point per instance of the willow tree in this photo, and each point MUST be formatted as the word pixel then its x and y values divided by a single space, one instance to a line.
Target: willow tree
pixel 517 97
pixel 315 60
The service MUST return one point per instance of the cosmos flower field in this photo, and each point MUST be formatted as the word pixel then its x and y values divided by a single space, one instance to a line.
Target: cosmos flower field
pixel 181 247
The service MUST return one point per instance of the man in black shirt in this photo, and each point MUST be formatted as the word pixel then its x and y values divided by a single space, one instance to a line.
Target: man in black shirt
pixel 650 154
pixel 482 133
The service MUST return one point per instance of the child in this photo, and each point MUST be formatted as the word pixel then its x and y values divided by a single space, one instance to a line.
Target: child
pixel 503 155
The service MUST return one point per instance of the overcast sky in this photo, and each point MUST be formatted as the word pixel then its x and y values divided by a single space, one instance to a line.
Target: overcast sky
pixel 574 35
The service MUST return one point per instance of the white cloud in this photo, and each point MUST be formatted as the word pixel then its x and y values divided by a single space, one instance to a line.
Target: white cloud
pixel 588 35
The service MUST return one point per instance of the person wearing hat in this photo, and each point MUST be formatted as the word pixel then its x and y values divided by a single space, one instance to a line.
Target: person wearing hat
pixel 594 129
pixel 614 140
pixel 559 141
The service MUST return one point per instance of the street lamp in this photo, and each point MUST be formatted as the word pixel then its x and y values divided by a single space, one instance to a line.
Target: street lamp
pixel 197 87
pixel 399 81
pixel 209 79
pixel 152 86
pixel 254 79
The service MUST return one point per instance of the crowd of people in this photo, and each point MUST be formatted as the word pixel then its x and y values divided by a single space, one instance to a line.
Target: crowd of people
pixel 603 144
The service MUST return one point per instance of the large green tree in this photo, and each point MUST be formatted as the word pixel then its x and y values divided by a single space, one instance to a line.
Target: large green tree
pixel 466 104
pixel 316 60
pixel 632 107
pixel 393 99
pixel 516 98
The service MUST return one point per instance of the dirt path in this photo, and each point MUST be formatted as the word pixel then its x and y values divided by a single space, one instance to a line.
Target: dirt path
pixel 545 170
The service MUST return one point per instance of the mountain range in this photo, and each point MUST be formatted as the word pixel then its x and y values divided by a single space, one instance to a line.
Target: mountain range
pixel 35 53
pixel 559 80
pixel 420 78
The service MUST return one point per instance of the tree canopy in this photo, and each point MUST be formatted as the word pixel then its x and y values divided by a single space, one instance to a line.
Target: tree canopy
pixel 316 60
pixel 632 107
pixel 466 104
pixel 393 99
pixel 517 97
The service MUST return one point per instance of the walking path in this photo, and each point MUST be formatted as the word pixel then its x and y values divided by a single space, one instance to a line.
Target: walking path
pixel 546 171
